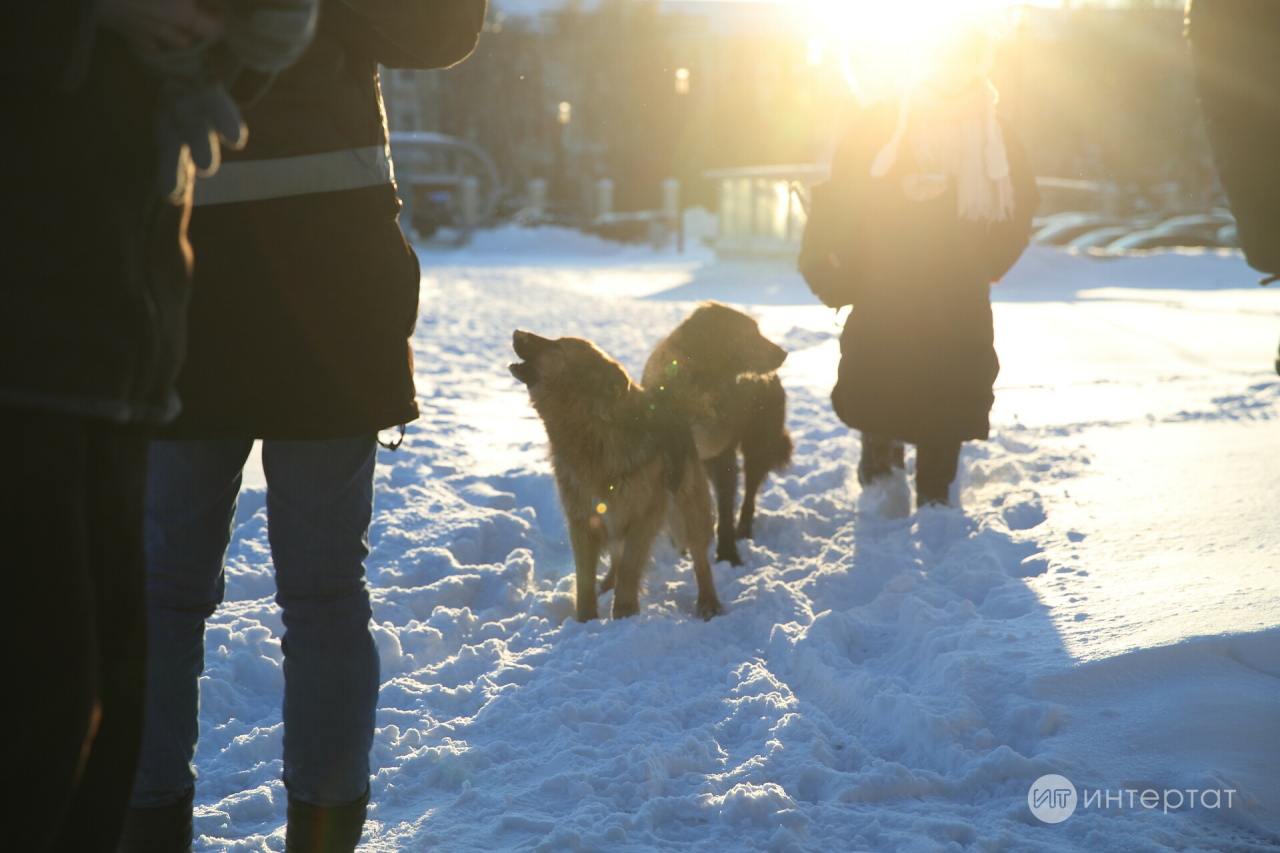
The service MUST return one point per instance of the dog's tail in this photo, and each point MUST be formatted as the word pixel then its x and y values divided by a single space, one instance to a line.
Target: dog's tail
pixel 675 440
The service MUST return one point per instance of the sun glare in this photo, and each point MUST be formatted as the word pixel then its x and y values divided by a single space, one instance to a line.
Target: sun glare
pixel 878 41
pixel 901 22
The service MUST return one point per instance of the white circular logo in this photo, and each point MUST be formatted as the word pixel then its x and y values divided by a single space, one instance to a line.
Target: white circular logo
pixel 1052 798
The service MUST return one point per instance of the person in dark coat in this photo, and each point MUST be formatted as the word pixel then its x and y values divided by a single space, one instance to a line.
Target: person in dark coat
pixel 938 200
pixel 92 313
pixel 1236 48
pixel 305 297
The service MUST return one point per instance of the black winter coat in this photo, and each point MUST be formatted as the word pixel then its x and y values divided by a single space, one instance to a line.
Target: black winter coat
pixel 95 280
pixel 1236 45
pixel 306 292
pixel 918 361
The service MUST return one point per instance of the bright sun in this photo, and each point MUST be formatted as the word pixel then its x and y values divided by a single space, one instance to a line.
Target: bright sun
pixel 876 39
pixel 897 21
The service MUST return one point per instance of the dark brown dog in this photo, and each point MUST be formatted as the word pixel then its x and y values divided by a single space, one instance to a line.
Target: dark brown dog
pixel 720 374
pixel 623 468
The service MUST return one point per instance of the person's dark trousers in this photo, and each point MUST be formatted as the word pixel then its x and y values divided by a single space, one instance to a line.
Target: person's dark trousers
pixel 319 506
pixel 71 550
pixel 936 466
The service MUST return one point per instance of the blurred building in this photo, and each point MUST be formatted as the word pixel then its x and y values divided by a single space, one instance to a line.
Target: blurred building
pixel 1101 92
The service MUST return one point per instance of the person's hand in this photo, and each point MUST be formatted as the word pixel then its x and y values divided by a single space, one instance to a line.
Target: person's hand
pixel 156 25
pixel 193 124
pixel 270 35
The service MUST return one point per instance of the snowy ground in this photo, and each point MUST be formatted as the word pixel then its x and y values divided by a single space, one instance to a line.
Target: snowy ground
pixel 1105 605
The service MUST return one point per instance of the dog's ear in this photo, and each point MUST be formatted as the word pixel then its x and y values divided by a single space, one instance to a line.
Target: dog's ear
pixel 602 409
pixel 609 382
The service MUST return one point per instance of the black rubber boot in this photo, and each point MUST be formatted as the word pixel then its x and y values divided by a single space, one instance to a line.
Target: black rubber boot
pixel 163 829
pixel 936 466
pixel 318 829
pixel 880 458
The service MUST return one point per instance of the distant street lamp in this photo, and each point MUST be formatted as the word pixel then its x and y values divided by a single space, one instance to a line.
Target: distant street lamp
pixel 814 53
pixel 682 81
pixel 564 113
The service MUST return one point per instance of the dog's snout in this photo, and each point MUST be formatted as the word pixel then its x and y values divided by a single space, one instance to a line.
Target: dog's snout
pixel 524 372
pixel 773 354
pixel 527 344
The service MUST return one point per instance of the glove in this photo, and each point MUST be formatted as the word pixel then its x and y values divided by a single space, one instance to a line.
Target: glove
pixel 192 123
pixel 195 115
pixel 194 118
pixel 270 35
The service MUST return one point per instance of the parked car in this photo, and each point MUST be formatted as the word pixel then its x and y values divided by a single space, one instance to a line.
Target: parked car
pixel 1099 237
pixel 1215 220
pixel 1189 231
pixel 1163 238
pixel 1068 227
pixel 432 170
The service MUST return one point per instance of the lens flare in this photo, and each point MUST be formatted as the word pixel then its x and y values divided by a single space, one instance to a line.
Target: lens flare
pixel 884 45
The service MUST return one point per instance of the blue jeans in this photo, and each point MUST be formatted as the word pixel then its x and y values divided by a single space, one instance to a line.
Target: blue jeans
pixel 319 506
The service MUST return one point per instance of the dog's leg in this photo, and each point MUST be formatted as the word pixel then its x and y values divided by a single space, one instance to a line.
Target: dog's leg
pixel 626 596
pixel 755 468
pixel 723 471
pixel 586 558
pixel 630 566
pixel 708 604
pixel 691 527
pixel 611 576
pixel 766 446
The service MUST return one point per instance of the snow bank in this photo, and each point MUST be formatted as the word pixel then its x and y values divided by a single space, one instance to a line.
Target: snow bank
pixel 877 683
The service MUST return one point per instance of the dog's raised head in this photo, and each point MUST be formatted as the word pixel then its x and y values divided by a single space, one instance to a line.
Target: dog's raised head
pixel 716 337
pixel 567 366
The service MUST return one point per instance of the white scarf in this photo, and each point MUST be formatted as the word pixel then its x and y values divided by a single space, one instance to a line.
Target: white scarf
pixel 959 138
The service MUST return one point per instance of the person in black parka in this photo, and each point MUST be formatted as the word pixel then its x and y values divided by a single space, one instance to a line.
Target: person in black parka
pixel 1236 48
pixel 305 296
pixel 91 328
pixel 108 104
pixel 937 199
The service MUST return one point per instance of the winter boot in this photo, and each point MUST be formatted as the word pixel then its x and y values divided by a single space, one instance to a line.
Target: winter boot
pixel 162 829
pixel 936 466
pixel 319 829
pixel 883 475
pixel 881 457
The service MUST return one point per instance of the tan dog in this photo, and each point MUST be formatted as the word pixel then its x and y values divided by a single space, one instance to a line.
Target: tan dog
pixel 718 372
pixel 624 470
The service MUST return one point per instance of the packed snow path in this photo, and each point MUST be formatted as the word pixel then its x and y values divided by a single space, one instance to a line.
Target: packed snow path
pixel 1104 606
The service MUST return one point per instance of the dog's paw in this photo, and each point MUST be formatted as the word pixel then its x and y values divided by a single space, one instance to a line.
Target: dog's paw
pixel 744 530
pixel 707 609
pixel 624 609
pixel 728 551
